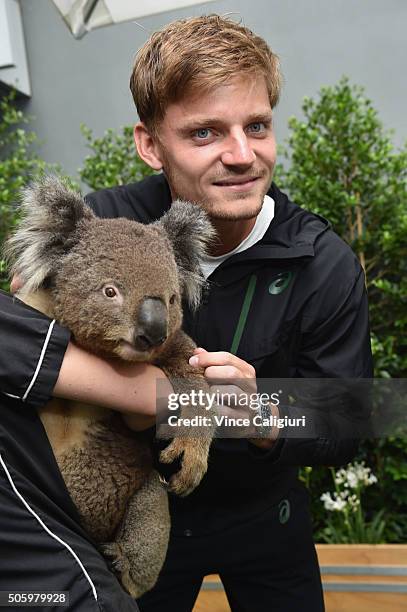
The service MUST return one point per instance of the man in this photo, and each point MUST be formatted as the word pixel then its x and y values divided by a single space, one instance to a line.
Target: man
pixel 286 299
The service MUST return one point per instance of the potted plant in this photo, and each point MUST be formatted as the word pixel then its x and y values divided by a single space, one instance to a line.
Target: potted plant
pixel 358 570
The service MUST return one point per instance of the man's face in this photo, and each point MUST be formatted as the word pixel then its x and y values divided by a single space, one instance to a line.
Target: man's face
pixel 218 149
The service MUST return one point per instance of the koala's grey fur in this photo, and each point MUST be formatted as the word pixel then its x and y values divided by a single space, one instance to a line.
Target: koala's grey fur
pixel 66 257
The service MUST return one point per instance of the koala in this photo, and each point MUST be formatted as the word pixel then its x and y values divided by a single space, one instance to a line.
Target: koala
pixel 117 285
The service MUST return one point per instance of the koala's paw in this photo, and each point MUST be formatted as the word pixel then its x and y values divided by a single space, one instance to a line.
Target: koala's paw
pixel 120 565
pixel 114 556
pixel 173 451
pixel 193 467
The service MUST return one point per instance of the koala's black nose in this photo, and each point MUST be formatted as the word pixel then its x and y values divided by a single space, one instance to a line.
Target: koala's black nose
pixel 152 324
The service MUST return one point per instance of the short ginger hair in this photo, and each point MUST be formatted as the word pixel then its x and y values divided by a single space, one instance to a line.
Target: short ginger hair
pixel 196 55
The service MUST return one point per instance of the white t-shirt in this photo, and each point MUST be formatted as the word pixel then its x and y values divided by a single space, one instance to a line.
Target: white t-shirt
pixel 264 218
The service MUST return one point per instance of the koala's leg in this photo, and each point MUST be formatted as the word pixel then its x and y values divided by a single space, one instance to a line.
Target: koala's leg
pixel 192 445
pixel 137 555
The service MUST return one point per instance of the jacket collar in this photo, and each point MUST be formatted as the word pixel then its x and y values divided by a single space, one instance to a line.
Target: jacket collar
pixel 292 233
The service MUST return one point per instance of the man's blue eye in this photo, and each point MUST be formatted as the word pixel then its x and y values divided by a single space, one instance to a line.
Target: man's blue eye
pixel 257 127
pixel 202 133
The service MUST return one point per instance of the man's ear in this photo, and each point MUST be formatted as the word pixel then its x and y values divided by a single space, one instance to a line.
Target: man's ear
pixel 147 146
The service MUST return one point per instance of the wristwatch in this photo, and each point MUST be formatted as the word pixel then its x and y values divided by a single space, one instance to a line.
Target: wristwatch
pixel 265 411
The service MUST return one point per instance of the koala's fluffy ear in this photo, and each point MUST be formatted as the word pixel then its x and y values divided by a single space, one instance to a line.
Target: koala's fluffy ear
pixel 190 233
pixel 51 213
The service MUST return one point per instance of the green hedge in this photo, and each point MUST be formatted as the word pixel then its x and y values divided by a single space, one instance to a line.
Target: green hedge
pixel 340 163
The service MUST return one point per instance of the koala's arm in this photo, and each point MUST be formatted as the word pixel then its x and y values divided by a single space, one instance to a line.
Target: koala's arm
pixel 38 361
pixel 174 361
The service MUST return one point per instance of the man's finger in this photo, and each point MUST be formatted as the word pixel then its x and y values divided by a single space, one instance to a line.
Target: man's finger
pixel 199 350
pixel 228 394
pixel 225 373
pixel 217 358
pixel 229 375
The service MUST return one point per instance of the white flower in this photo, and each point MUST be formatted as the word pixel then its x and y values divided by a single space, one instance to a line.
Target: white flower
pixel 340 476
pixel 353 480
pixel 336 504
pixel 354 502
pixel 372 479
pixel 355 475
pixel 328 501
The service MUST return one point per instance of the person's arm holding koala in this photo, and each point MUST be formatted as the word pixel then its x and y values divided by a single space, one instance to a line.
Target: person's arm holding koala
pixel 79 374
pixel 129 388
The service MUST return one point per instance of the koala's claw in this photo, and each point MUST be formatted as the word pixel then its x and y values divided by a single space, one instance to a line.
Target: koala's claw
pixel 121 566
pixel 193 465
pixel 163 481
pixel 182 485
pixel 172 452
pixel 113 554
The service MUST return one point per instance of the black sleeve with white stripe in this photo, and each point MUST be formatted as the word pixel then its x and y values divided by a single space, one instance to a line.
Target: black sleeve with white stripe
pixel 32 347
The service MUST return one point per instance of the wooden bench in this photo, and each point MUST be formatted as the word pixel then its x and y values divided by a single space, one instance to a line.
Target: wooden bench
pixel 356 578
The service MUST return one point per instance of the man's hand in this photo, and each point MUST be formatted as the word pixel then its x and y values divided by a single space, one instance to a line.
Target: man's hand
pixel 222 367
pixel 228 374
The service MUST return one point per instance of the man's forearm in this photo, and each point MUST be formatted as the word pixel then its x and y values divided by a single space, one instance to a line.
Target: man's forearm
pixel 129 388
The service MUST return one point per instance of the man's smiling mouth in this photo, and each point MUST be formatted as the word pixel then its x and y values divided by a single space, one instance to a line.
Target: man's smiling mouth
pixel 244 182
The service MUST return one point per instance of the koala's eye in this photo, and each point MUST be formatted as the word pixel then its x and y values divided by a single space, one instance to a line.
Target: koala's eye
pixel 173 298
pixel 110 292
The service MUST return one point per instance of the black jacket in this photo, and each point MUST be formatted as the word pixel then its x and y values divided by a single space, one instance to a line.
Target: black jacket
pixel 305 316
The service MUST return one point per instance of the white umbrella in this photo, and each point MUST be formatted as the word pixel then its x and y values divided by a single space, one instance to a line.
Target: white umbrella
pixel 81 16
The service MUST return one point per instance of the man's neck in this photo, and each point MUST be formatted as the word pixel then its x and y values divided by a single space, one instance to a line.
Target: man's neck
pixel 230 234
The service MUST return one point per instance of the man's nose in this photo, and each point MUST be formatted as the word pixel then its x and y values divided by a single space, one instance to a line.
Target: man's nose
pixel 238 151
